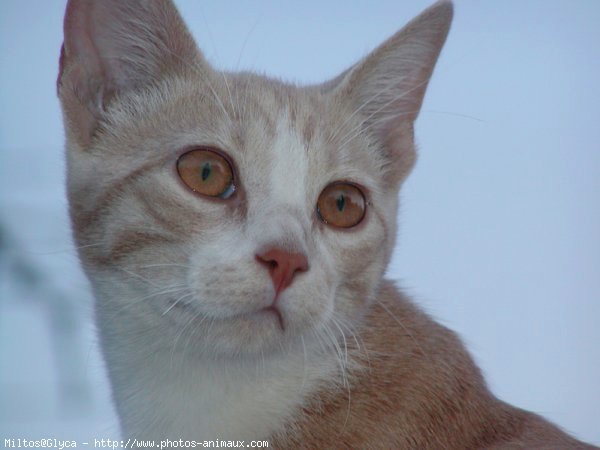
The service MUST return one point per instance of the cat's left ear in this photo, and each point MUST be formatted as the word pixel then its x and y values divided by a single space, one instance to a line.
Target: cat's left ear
pixel 112 47
pixel 386 88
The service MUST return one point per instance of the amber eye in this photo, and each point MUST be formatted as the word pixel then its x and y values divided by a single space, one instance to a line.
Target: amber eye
pixel 206 172
pixel 341 205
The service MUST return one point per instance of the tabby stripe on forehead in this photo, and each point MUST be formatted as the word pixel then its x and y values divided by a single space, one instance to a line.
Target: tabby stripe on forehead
pixel 261 113
pixel 308 131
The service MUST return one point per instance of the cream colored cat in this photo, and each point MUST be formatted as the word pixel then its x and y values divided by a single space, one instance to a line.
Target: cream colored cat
pixel 236 229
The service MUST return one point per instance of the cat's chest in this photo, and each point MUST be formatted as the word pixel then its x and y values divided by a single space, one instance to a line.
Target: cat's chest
pixel 245 401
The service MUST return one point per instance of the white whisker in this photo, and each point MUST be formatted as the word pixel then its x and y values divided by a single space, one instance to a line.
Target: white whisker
pixel 176 302
pixel 406 330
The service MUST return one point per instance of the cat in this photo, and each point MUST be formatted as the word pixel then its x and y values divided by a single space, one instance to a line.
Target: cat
pixel 235 230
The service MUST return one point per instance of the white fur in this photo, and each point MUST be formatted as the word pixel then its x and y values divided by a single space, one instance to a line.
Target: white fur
pixel 289 176
pixel 179 396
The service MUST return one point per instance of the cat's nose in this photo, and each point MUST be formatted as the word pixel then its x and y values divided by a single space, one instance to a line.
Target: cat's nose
pixel 283 266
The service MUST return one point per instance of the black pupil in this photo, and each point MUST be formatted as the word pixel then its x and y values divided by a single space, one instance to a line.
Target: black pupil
pixel 206 170
pixel 340 202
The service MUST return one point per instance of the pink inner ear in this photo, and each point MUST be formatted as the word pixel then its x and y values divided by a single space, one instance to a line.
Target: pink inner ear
pixel 80 65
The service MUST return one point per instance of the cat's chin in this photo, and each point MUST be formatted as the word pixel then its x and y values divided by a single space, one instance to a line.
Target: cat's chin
pixel 269 340
pixel 253 334
pixel 271 312
pixel 268 319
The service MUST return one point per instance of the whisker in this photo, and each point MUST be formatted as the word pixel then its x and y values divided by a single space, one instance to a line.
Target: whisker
pixel 333 321
pixel 150 266
pixel 224 75
pixel 450 113
pixel 136 275
pixel 205 77
pixel 66 250
pixel 367 101
pixel 304 364
pixel 188 295
pixel 381 108
pixel 254 25
pixel 129 304
pixel 338 351
pixel 187 324
pixel 362 129
pixel 192 333
pixel 406 330
pixel 360 344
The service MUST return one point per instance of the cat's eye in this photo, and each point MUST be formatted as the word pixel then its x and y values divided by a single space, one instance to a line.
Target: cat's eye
pixel 341 205
pixel 206 172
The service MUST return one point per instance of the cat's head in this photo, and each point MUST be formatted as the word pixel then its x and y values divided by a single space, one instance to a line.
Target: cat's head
pixel 230 210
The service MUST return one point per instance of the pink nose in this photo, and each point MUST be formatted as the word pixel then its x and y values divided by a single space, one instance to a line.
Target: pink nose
pixel 283 266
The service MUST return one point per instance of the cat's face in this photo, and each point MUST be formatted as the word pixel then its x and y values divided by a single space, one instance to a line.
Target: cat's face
pixel 183 258
pixel 233 214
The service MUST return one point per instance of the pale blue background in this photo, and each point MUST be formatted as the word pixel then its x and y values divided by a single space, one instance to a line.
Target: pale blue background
pixel 500 221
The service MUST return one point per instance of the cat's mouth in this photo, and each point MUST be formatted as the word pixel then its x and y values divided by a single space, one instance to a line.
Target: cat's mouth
pixel 266 313
pixel 260 314
pixel 274 310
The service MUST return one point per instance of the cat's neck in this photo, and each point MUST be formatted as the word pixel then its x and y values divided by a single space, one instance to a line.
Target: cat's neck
pixel 180 394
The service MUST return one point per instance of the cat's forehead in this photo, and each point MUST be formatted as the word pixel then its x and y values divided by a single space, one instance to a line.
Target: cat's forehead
pixel 264 123
pixel 300 136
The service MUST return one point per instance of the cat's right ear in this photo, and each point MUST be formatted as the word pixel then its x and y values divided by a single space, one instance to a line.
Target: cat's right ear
pixel 114 46
pixel 386 88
